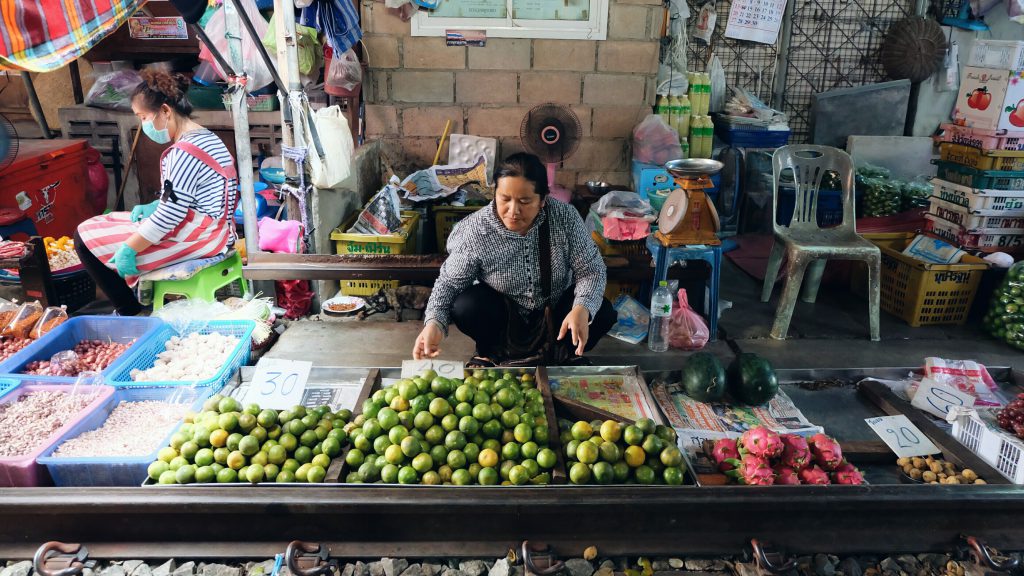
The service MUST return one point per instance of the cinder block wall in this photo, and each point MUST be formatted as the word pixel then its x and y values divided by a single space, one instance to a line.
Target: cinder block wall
pixel 416 84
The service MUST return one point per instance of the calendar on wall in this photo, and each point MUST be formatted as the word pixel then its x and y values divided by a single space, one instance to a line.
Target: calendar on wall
pixel 755 20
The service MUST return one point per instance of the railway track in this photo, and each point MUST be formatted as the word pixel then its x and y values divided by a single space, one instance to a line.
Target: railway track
pixel 212 522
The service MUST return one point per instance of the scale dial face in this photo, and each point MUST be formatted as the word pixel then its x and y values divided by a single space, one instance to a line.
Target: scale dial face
pixel 673 211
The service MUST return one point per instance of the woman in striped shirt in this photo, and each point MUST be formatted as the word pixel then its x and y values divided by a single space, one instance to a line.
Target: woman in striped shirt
pixel 193 217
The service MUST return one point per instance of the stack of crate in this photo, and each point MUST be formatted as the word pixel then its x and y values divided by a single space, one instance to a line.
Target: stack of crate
pixel 978 197
pixel 978 200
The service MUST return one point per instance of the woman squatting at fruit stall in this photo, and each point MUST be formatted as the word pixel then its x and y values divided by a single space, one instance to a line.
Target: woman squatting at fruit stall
pixel 520 301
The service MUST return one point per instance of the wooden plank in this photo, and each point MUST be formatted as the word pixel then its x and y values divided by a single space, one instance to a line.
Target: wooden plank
pixel 952 450
pixel 560 474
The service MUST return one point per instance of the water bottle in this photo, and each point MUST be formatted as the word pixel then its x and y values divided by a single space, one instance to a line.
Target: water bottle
pixel 661 310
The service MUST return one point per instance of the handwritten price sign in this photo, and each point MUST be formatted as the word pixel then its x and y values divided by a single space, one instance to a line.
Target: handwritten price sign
pixel 278 383
pixel 446 368
pixel 938 399
pixel 901 436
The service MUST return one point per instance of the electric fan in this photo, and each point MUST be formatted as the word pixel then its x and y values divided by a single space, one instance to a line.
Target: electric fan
pixel 552 132
pixel 8 143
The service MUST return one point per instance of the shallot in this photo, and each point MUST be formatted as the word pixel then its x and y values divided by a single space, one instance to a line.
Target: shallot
pixel 30 420
pixel 11 346
pixel 132 429
pixel 194 357
pixel 89 355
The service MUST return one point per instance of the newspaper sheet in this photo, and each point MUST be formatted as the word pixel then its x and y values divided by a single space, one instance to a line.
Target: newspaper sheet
pixel 615 393
pixel 697 421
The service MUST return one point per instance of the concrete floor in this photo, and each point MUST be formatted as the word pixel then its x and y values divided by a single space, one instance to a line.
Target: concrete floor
pixel 832 333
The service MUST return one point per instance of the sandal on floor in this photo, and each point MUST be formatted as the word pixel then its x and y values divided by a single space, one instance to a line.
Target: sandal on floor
pixel 480 362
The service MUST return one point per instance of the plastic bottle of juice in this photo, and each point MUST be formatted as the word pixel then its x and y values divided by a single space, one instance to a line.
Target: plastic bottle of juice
pixel 710 132
pixel 695 136
pixel 661 107
pixel 684 143
pixel 673 112
pixel 684 115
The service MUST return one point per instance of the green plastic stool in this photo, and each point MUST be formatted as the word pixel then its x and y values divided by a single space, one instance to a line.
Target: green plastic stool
pixel 204 283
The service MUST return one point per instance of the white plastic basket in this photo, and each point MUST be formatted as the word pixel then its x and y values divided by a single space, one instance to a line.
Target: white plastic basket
pixel 983 239
pixel 987 202
pixel 981 435
pixel 975 220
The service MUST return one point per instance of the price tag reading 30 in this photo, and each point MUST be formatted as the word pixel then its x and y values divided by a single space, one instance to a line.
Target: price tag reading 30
pixel 900 435
pixel 278 383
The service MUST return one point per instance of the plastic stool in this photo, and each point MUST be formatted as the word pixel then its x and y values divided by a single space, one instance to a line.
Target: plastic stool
pixel 204 283
pixel 711 254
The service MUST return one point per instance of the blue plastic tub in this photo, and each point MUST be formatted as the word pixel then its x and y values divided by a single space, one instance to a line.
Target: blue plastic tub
pixel 23 470
pixel 149 350
pixel 752 137
pixel 830 207
pixel 67 335
pixel 981 179
pixel 112 471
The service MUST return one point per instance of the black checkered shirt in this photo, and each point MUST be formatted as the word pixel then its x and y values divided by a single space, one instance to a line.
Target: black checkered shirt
pixel 480 248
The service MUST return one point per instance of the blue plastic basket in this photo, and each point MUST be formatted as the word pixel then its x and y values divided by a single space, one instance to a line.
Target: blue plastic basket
pixel 7 384
pixel 153 346
pixel 751 137
pixel 67 335
pixel 830 207
pixel 111 471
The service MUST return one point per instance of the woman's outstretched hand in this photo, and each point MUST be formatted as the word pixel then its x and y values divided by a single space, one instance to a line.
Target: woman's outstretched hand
pixel 427 343
pixel 577 322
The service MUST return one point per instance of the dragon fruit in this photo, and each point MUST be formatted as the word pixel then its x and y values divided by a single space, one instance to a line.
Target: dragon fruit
pixel 814 475
pixel 752 470
pixel 760 441
pixel 827 452
pixel 725 449
pixel 796 454
pixel 847 473
pixel 786 475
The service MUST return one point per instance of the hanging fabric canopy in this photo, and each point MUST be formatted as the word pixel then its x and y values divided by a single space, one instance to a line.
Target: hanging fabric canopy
pixel 44 35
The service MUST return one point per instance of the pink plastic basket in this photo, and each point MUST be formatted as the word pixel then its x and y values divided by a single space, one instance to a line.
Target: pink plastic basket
pixel 23 470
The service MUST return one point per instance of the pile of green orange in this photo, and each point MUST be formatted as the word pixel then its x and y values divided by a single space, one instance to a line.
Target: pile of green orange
pixel 489 428
pixel 611 452
pixel 226 443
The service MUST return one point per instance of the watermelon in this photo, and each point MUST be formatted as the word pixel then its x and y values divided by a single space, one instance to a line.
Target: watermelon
pixel 752 380
pixel 703 377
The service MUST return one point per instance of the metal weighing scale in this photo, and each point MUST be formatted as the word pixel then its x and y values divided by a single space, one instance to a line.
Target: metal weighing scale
pixel 688 217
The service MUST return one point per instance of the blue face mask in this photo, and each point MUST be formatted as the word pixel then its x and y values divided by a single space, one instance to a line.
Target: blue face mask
pixel 158 136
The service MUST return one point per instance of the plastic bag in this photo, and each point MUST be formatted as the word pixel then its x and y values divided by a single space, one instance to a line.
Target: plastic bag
pixel 310 51
pixel 915 194
pixel 633 320
pixel 344 72
pixel 335 138
pixel 966 376
pixel 24 320
pixel 259 75
pixel 114 90
pixel 7 311
pixel 881 197
pixel 191 315
pixel 718 87
pixel 52 317
pixel 625 204
pixel 686 329
pixel 655 142
pixel 1005 318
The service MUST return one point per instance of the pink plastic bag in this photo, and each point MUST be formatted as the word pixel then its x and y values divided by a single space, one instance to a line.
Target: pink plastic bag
pixel 686 329
pixel 282 237
pixel 655 142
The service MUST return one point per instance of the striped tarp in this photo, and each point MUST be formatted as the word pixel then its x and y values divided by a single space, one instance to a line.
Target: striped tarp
pixel 43 35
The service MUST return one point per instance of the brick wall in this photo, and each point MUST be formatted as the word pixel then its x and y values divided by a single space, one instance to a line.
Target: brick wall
pixel 415 84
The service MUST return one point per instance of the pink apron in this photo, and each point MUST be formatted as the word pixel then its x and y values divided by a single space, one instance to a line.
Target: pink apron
pixel 197 236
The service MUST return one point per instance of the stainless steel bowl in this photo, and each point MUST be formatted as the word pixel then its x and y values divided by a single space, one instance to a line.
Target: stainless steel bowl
pixel 693 167
pixel 598 188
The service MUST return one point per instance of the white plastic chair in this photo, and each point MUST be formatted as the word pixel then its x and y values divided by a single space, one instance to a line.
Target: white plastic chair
pixel 804 243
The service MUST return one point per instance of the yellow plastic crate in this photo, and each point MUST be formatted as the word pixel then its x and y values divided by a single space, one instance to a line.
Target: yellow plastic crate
pixel 445 219
pixel 918 292
pixel 979 159
pixel 620 247
pixel 352 244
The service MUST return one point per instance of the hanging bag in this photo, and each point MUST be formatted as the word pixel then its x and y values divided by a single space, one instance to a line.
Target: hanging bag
pixel 330 127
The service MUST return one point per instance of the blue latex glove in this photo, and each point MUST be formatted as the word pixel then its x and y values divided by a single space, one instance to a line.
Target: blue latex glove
pixel 143 211
pixel 124 261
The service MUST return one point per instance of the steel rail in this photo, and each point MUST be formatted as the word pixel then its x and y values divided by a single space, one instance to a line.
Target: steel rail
pixel 364 521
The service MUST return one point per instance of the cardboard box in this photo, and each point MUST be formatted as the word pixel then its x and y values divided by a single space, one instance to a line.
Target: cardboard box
pixel 1000 54
pixel 979 103
pixel 1012 116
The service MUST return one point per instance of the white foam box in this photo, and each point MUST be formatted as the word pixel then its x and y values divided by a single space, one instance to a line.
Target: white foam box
pixel 1005 54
